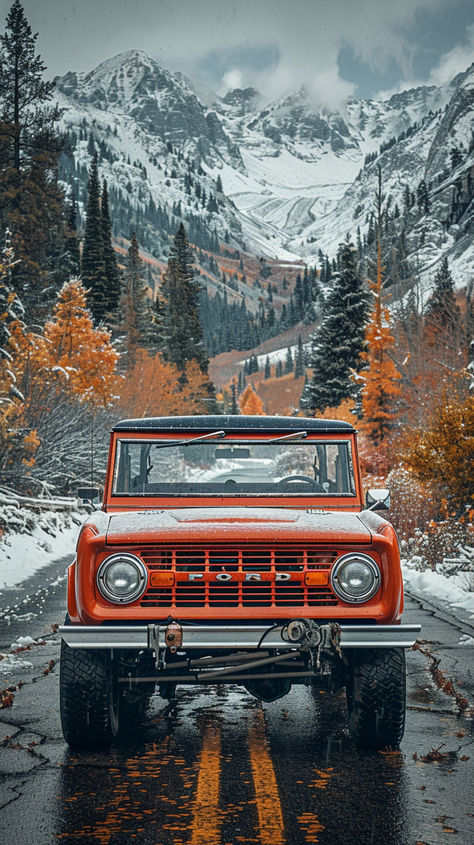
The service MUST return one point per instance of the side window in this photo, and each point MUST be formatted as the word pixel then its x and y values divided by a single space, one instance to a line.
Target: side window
pixel 335 468
pixel 128 464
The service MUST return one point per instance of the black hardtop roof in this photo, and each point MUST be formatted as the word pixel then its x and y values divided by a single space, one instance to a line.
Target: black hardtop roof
pixel 234 423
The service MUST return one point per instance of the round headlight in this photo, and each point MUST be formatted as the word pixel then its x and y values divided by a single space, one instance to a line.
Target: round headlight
pixel 355 577
pixel 122 578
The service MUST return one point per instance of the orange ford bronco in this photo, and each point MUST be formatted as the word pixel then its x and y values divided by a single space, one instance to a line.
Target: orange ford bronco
pixel 234 550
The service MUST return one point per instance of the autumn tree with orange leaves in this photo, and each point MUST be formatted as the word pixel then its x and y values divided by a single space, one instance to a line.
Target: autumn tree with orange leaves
pixel 64 380
pixel 74 352
pixel 153 388
pixel 442 452
pixel 250 403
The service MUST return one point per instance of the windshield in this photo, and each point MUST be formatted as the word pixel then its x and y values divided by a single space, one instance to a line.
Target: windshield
pixel 161 468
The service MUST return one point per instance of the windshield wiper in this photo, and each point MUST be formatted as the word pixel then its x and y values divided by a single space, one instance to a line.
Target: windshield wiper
pixel 192 440
pixel 293 435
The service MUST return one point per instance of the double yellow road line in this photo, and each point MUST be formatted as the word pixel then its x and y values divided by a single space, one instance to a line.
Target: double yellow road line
pixel 207 815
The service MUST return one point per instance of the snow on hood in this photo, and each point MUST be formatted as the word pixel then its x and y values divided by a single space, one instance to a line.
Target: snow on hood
pixel 213 524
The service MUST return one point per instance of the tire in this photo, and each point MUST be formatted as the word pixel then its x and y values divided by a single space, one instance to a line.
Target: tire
pixel 376 697
pixel 89 698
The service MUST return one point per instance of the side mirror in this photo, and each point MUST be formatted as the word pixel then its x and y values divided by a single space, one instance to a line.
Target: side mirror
pixel 88 496
pixel 377 499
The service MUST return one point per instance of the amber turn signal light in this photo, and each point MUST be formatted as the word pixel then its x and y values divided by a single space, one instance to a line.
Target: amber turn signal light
pixel 162 579
pixel 316 579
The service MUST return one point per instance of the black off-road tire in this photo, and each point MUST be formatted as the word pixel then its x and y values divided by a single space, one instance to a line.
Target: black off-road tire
pixel 376 697
pixel 89 698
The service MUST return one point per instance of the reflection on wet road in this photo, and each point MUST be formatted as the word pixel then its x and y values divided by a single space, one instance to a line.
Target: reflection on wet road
pixel 217 767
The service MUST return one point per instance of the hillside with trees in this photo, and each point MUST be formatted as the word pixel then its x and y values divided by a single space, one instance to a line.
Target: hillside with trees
pixel 82 337
pixel 95 325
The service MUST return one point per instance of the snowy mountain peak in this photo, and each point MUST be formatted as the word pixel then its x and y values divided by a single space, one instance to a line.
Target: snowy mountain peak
pixel 122 80
pixel 296 176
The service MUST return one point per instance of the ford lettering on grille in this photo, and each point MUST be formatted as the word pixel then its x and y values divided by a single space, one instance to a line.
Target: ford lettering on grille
pixel 245 577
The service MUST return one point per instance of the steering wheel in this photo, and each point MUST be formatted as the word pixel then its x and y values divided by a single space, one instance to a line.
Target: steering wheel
pixel 306 478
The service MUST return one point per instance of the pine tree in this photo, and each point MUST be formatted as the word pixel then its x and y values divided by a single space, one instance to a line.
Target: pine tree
pixel 182 330
pixel 406 199
pixel 278 369
pixel 288 361
pixel 234 407
pixel 91 146
pixel 134 305
pixel 72 240
pixel 253 364
pixel 156 330
pixel 94 273
pixel 22 89
pixel 380 376
pixel 423 197
pixel 456 157
pixel 110 260
pixel 267 372
pixel 442 314
pixel 337 345
pixel 298 298
pixel 299 359
pixel 31 201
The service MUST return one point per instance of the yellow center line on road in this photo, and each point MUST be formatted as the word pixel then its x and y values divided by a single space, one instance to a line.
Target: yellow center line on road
pixel 267 798
pixel 207 819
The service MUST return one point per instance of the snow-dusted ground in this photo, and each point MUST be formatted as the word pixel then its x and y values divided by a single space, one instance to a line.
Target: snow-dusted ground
pixel 22 554
pixel 453 593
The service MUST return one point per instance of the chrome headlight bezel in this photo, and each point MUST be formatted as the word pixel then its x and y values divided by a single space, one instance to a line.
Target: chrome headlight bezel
pixel 361 558
pixel 104 590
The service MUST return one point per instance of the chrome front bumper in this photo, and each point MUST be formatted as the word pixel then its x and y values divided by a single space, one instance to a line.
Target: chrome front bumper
pixel 228 636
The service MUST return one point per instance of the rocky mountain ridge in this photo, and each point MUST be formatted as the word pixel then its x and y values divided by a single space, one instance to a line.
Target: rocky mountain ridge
pixel 294 178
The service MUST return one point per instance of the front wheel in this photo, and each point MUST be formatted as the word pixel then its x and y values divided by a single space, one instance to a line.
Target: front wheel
pixel 89 697
pixel 376 697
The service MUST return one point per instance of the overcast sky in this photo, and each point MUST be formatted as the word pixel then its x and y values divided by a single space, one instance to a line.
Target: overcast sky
pixel 336 48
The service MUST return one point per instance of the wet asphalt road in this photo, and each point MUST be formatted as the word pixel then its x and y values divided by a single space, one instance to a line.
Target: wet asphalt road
pixel 218 767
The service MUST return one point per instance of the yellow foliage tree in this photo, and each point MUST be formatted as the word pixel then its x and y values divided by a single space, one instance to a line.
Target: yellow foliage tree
pixel 443 453
pixel 153 388
pixel 74 351
pixel 250 403
pixel 344 412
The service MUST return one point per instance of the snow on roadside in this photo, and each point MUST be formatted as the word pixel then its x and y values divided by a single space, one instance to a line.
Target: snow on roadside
pixel 10 663
pixel 440 589
pixel 53 535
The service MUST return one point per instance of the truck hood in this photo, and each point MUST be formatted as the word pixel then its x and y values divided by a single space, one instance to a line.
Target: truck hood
pixel 242 525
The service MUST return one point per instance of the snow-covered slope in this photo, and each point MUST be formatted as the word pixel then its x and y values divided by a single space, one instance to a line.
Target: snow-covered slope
pixel 293 173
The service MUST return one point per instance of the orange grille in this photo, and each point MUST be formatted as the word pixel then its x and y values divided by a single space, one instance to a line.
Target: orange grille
pixel 248 577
